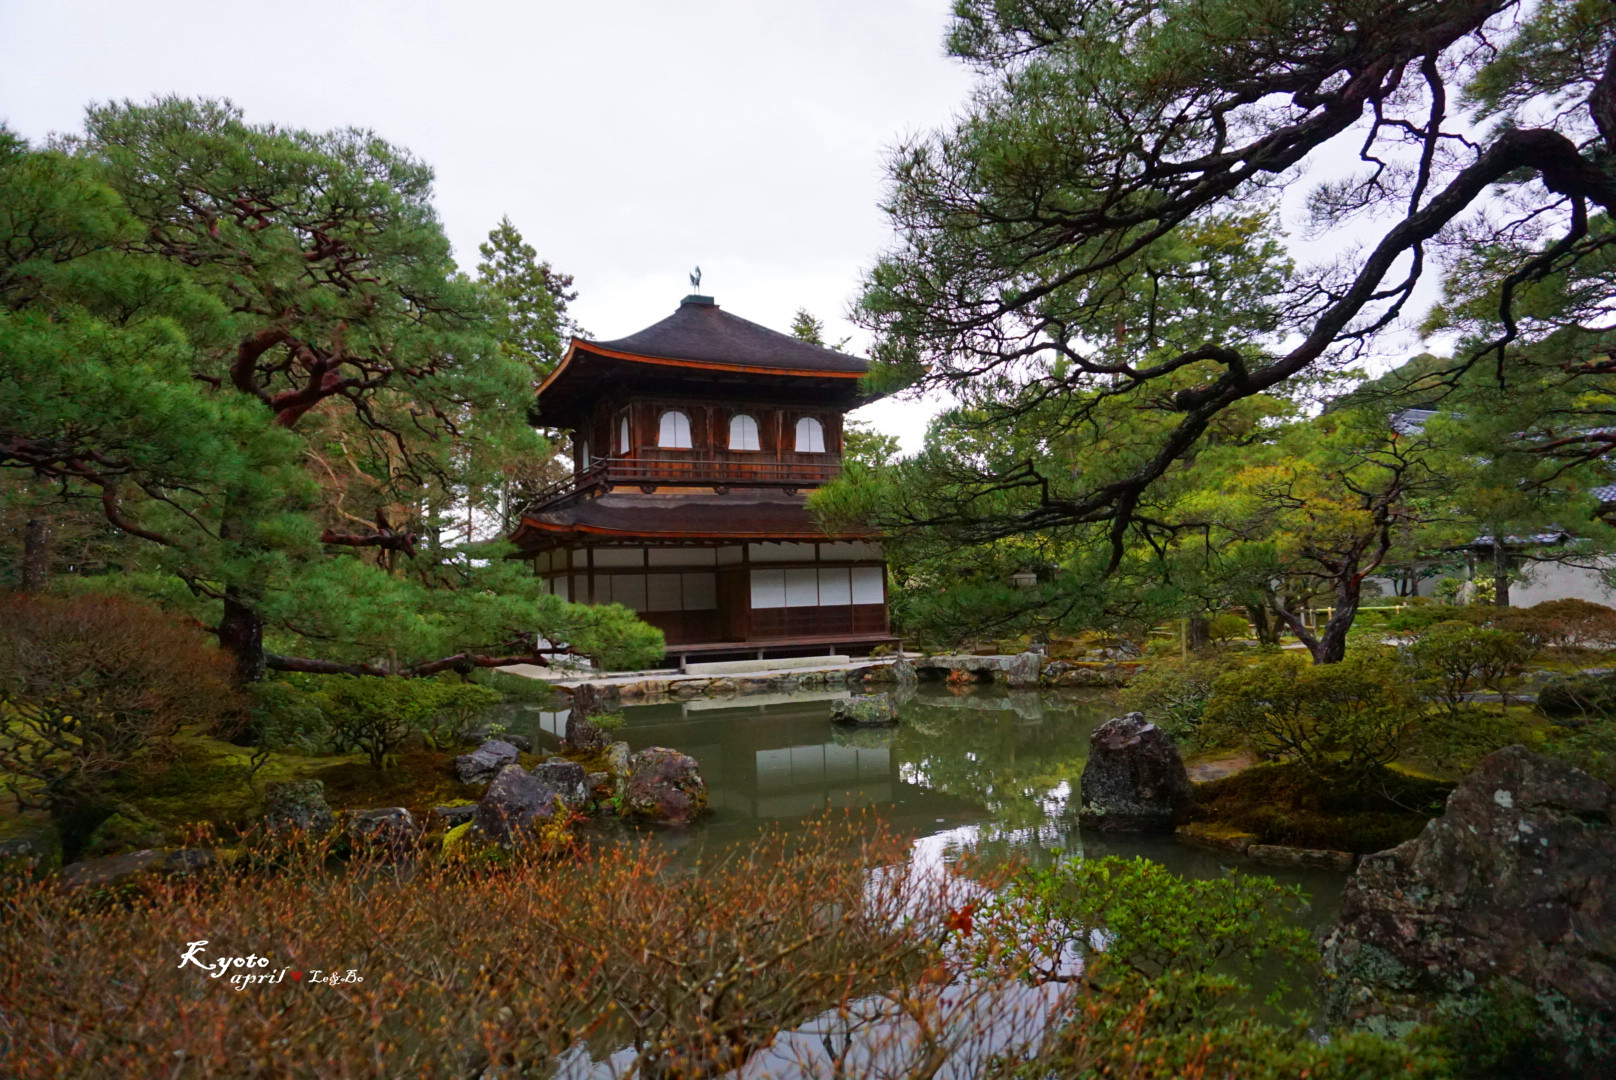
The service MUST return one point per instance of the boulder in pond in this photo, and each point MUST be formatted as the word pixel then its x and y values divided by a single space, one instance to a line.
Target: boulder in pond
pixel 484 763
pixel 480 734
pixel 1134 780
pixel 588 702
pixel 390 828
pixel 1510 893
pixel 664 785
pixel 617 760
pixel 516 802
pixel 568 777
pixel 297 806
pixel 865 710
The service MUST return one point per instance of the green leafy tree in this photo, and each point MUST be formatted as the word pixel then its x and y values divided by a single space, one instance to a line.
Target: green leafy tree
pixel 1030 229
pixel 248 346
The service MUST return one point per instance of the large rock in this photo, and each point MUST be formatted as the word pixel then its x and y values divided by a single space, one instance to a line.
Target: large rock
pixel 865 710
pixel 664 785
pixel 1134 780
pixel 1103 675
pixel 516 802
pixel 588 702
pixel 1512 889
pixel 568 777
pixel 389 828
pixel 618 761
pixel 481 733
pixel 297 806
pixel 1024 670
pixel 484 763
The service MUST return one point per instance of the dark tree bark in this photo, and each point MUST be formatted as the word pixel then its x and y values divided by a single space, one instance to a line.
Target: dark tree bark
pixel 241 634
pixel 1199 633
pixel 36 555
pixel 1500 575
pixel 1263 624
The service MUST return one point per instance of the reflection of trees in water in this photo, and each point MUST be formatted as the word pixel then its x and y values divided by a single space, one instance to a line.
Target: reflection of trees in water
pixel 1019 757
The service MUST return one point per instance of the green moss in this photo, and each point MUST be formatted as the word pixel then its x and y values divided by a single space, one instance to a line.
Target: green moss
pixel 1286 804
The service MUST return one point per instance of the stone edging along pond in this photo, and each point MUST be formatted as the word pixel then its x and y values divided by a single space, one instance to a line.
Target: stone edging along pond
pixel 1023 671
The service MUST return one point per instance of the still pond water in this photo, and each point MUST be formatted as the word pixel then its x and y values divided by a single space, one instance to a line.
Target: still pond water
pixel 978 771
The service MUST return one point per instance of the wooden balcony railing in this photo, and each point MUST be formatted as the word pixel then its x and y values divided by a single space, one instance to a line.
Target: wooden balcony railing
pixel 675 469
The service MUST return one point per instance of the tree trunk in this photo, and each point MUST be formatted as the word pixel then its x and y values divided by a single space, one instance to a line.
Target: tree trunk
pixel 36 555
pixel 1500 575
pixel 241 634
pixel 1200 633
pixel 1263 624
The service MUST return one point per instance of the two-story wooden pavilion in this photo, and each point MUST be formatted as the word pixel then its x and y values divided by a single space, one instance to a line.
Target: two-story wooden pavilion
pixel 693 444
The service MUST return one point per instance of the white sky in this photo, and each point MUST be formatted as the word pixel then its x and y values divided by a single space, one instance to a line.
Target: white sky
pixel 628 140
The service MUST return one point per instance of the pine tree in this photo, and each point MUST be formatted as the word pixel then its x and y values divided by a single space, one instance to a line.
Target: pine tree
pixel 530 300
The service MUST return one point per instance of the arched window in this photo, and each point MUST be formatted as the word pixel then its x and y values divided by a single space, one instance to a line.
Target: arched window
pixel 673 433
pixel 583 453
pixel 810 436
pixel 622 436
pixel 743 433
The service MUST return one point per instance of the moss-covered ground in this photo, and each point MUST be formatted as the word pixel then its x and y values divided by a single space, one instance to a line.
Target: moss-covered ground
pixel 1286 804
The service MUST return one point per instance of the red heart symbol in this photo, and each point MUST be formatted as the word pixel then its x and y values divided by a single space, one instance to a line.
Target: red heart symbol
pixel 297 976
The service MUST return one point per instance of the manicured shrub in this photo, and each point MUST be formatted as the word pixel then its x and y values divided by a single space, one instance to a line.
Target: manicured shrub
pixel 86 684
pixel 1173 691
pixel 1456 659
pixel 1418 617
pixel 1572 623
pixel 1227 627
pixel 1577 696
pixel 376 714
pixel 1332 719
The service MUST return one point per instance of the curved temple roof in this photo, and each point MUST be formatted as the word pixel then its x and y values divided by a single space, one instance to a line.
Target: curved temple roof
pixel 702 332
pixel 704 351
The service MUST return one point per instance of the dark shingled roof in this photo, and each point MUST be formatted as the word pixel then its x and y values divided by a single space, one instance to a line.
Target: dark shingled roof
pixel 704 332
pixel 743 514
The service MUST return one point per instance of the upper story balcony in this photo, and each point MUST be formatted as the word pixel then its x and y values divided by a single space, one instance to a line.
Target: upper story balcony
pixel 650 469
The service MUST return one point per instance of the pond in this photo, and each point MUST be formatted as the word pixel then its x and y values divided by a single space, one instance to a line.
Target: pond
pixel 975 770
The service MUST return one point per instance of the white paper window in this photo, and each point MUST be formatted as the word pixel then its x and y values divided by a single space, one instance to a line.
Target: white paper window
pixel 802 588
pixel 743 433
pixel 627 589
pixel 810 436
pixel 583 453
pixel 673 432
pixel 768 588
pixel 835 588
pixel 622 436
pixel 868 585
pixel 619 556
pixel 662 592
pixel 701 592
pixel 560 587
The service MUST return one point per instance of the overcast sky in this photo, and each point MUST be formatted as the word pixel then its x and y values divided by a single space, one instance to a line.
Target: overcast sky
pixel 628 140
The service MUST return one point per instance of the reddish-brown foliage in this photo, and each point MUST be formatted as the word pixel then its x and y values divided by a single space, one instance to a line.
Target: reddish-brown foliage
pixel 462 969
pixel 88 682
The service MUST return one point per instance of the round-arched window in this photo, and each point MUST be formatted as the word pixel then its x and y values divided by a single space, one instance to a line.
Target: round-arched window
pixel 622 436
pixel 743 433
pixel 673 433
pixel 810 436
